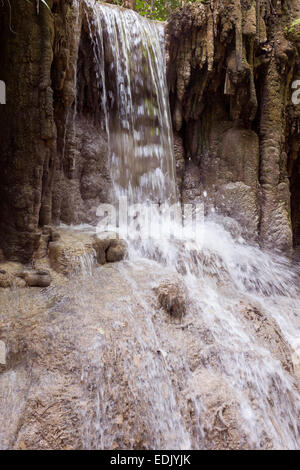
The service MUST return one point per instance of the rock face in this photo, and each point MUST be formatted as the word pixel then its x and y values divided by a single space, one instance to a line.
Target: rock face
pixel 230 71
pixel 54 153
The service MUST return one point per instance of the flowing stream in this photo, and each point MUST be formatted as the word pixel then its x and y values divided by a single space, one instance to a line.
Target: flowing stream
pixel 226 374
pixel 135 99
pixel 223 276
pixel 236 290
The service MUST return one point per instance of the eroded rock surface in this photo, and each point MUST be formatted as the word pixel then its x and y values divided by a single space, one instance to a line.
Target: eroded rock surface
pixel 230 71
pixel 78 251
pixel 94 363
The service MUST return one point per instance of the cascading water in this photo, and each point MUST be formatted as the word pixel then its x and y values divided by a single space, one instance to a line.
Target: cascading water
pixel 224 277
pixel 121 373
pixel 136 104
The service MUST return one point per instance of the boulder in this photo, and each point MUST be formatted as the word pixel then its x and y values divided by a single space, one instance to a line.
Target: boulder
pixel 9 275
pixel 68 251
pixel 5 279
pixel 71 249
pixel 116 252
pixel 109 247
pixel 172 297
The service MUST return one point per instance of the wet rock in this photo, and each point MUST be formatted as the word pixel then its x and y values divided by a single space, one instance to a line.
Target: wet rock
pixel 220 137
pixel 117 252
pixel 179 154
pixel 55 236
pixel 5 279
pixel 221 423
pixel 172 297
pixel 199 398
pixel 109 247
pixel 67 253
pixel 9 275
pixel 39 278
pixel 42 249
pixel 268 332
pixel 72 250
pixel 102 241
pixel 240 202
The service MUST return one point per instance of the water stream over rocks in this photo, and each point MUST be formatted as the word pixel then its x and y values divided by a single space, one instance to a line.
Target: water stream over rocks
pixel 97 361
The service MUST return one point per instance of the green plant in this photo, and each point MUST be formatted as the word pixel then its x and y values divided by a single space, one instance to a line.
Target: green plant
pixel 157 9
pixel 294 27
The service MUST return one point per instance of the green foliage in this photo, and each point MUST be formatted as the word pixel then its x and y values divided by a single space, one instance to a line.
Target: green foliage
pixel 158 9
pixel 294 27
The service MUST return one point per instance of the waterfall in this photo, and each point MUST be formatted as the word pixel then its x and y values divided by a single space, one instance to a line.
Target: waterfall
pixel 104 365
pixel 228 281
pixel 132 70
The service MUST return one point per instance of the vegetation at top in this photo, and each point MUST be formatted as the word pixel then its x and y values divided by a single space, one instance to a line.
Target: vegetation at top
pixel 157 9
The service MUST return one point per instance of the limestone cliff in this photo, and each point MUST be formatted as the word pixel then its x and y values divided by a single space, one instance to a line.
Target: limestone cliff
pixel 231 68
pixel 54 153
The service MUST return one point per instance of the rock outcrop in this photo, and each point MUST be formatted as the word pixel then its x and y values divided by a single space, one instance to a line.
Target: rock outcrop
pixel 231 69
pixel 54 152
pixel 75 252
pixel 93 363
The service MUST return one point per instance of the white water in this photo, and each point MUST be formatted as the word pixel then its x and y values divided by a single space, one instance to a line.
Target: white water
pixel 235 289
pixel 130 53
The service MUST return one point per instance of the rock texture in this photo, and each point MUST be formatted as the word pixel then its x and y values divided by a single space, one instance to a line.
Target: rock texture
pixel 54 153
pixel 231 68
pixel 77 252
pixel 172 297
pixel 93 363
